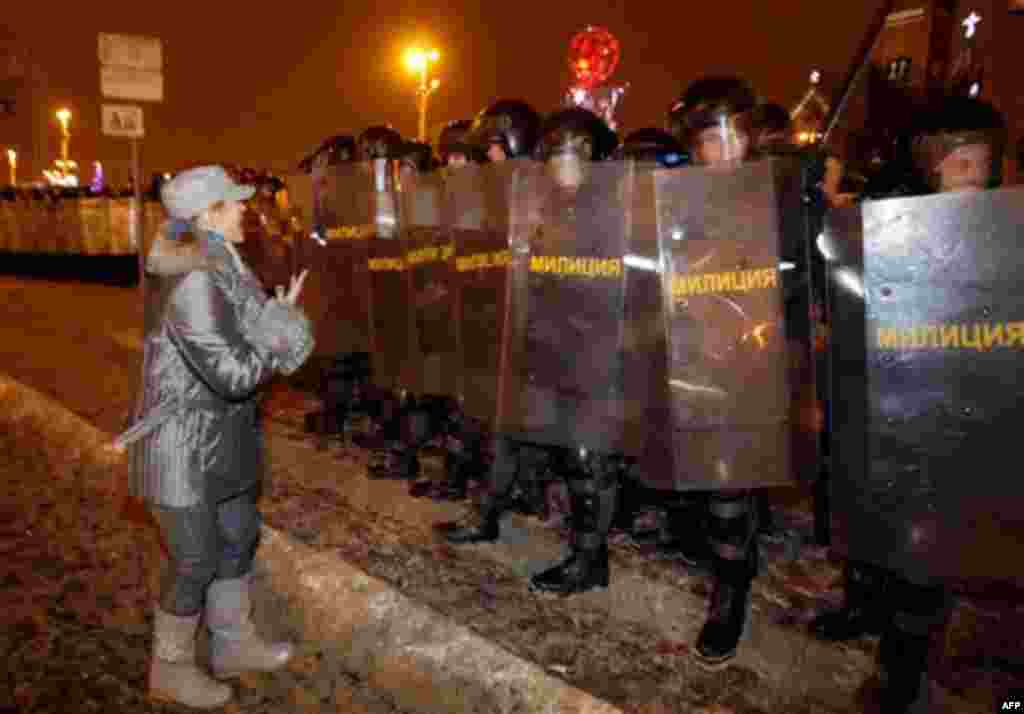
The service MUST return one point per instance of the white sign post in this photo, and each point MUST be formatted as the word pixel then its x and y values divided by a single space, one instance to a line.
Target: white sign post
pixel 131 67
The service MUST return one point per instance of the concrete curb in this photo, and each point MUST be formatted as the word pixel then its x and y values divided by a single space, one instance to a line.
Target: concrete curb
pixel 426 661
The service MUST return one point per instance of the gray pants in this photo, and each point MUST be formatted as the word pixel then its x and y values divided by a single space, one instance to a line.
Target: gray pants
pixel 207 541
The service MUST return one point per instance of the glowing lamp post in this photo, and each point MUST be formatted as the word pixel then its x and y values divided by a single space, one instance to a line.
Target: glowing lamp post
pixel 419 61
pixel 12 162
pixel 65 169
pixel 64 117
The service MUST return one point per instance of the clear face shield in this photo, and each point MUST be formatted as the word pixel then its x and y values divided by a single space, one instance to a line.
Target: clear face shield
pixel 723 144
pixel 566 161
pixel 386 213
pixel 490 137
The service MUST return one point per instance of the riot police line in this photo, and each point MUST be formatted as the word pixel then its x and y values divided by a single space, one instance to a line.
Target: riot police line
pixel 551 304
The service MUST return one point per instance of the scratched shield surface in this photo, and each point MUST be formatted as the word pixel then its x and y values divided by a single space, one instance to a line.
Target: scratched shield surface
pixel 476 218
pixel 930 312
pixel 725 415
pixel 395 359
pixel 336 294
pixel 564 356
pixel 430 261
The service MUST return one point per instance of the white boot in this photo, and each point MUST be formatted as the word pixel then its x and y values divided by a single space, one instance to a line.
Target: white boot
pixel 234 645
pixel 173 674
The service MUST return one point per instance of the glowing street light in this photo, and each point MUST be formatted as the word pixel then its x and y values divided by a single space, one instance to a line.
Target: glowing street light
pixel 64 117
pixel 12 162
pixel 65 170
pixel 419 61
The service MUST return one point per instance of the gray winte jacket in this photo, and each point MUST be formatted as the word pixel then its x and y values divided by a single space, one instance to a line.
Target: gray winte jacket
pixel 212 339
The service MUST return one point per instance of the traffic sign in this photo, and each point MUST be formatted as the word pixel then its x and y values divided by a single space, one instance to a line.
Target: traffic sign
pixel 130 67
pixel 122 120
pixel 134 51
pixel 133 84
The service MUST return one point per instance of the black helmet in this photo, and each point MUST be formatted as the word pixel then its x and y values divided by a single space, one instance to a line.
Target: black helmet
pixel 771 117
pixel 578 131
pixel 379 142
pixel 335 150
pixel 418 155
pixel 955 121
pixel 654 145
pixel 453 140
pixel 708 101
pixel 772 127
pixel 512 123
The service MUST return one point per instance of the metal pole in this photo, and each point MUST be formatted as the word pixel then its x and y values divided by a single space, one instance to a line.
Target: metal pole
pixel 860 64
pixel 138 215
pixel 423 114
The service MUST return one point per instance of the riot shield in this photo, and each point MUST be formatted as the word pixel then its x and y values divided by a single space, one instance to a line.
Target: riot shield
pixel 430 260
pixel 395 362
pixel 563 364
pixel 726 415
pixel 644 350
pixel 336 295
pixel 475 214
pixel 267 248
pixel 928 324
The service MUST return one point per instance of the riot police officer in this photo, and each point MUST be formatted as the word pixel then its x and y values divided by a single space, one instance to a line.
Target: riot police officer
pixel 957 146
pixel 391 458
pixel 417 157
pixel 571 139
pixel 518 464
pixel 507 129
pixel 334 150
pixel 452 147
pixel 379 142
pixel 712 120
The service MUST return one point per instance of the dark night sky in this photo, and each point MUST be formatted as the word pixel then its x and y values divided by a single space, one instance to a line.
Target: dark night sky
pixel 261 84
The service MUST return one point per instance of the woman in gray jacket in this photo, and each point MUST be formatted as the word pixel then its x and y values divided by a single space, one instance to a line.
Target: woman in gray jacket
pixel 196 455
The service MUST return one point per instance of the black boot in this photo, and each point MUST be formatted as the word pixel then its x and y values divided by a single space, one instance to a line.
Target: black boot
pixel 766 524
pixel 733 524
pixel 630 502
pixel 686 534
pixel 584 569
pixel 862 610
pixel 408 430
pixel 593 505
pixel 918 610
pixel 903 660
pixel 726 618
pixel 482 526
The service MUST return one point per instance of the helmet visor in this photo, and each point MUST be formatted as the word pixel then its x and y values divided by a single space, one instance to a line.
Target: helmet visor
pixel 724 141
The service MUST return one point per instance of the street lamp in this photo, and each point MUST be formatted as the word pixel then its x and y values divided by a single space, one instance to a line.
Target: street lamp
pixel 419 61
pixel 64 117
pixel 66 170
pixel 12 161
